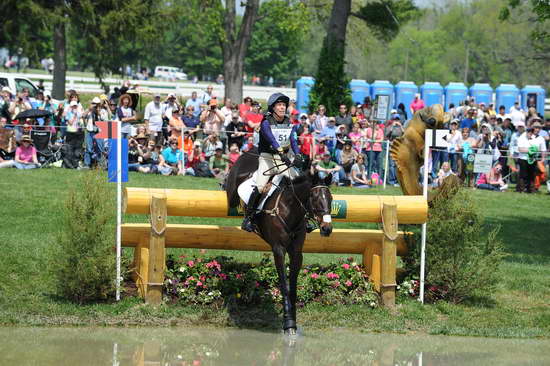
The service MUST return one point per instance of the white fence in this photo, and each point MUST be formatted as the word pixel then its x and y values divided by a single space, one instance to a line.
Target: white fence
pixel 181 88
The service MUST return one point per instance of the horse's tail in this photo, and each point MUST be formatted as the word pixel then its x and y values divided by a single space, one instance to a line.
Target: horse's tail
pixel 241 170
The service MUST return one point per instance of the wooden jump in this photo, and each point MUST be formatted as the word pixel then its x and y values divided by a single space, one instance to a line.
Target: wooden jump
pixel 379 248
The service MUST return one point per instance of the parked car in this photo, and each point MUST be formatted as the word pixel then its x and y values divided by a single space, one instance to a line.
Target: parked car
pixel 169 72
pixel 17 83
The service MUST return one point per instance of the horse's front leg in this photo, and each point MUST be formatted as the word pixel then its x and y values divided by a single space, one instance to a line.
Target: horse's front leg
pixel 296 259
pixel 279 257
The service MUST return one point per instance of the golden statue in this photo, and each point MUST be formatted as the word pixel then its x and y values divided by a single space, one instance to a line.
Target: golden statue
pixel 408 150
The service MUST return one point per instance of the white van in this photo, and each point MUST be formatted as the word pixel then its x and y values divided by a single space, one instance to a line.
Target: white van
pixel 169 72
pixel 17 83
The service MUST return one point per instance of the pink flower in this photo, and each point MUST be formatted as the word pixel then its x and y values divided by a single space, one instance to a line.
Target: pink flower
pixel 202 278
pixel 238 276
pixel 335 284
pixel 306 271
pixel 348 283
pixel 197 363
pixel 190 263
pixel 257 284
pixel 214 264
pixel 223 276
pixel 314 276
pixel 332 276
pixel 345 266
pixel 199 283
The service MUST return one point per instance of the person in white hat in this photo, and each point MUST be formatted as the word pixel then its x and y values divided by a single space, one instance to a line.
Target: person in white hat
pixel 95 148
pixel 153 119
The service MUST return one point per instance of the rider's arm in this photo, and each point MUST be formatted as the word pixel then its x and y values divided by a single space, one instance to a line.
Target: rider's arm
pixel 265 131
pixel 294 140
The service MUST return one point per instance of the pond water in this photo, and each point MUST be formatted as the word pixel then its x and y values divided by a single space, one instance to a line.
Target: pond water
pixel 202 346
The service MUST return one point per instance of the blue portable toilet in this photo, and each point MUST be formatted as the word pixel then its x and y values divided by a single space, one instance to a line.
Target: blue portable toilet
pixel 381 87
pixel 431 93
pixel 455 93
pixel 404 93
pixel 359 90
pixel 506 95
pixel 482 93
pixel 303 87
pixel 533 96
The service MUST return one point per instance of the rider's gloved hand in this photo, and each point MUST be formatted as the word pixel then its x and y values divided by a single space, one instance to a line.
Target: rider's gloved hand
pixel 285 160
pixel 299 161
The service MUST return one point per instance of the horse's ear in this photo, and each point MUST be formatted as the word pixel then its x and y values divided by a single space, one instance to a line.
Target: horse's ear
pixel 328 180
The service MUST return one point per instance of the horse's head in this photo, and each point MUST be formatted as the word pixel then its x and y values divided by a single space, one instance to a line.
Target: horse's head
pixel 320 203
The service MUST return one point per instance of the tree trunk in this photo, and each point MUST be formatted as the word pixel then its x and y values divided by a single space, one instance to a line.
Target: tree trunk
pixel 235 45
pixel 60 60
pixel 338 23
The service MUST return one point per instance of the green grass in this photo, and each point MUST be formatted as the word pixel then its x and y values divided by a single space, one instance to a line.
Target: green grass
pixel 32 201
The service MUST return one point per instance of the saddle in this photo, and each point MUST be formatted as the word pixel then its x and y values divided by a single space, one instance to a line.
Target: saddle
pixel 245 189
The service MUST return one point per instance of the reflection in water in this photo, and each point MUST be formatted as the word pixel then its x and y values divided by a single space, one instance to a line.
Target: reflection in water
pixel 201 347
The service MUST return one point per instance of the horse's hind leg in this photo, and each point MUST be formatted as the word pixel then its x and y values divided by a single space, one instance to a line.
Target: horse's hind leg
pixel 279 256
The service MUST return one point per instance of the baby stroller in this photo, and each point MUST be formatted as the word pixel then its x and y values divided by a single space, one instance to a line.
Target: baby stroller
pixel 47 152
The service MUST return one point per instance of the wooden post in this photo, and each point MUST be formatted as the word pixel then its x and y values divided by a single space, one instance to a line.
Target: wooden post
pixel 156 250
pixel 141 259
pixel 389 255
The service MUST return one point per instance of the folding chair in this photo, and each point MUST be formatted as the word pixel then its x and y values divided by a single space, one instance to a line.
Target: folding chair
pixel 47 153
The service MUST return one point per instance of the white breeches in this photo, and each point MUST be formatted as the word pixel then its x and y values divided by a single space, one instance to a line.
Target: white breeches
pixel 266 163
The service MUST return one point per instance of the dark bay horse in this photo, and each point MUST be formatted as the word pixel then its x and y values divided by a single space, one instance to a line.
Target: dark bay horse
pixel 282 222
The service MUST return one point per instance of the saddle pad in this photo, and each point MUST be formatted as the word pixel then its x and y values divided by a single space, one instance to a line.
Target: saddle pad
pixel 246 188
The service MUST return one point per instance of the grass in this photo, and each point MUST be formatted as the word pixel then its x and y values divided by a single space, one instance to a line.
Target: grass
pixel 30 211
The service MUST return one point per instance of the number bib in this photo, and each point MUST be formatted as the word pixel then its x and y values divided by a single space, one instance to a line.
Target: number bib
pixel 282 134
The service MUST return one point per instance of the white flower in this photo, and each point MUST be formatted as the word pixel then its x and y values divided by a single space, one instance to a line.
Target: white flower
pixel 372 304
pixel 354 264
pixel 170 281
pixel 181 269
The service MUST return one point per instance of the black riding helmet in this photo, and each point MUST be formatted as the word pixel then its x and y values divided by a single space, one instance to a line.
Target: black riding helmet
pixel 274 99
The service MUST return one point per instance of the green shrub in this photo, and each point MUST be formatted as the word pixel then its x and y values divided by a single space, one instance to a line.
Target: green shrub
pixel 462 261
pixel 83 260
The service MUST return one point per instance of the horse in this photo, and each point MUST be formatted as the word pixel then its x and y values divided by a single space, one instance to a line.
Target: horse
pixel 282 222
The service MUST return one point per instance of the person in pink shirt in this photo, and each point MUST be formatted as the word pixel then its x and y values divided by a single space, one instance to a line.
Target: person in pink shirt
pixel 373 135
pixel 25 155
pixel 417 104
pixel 355 137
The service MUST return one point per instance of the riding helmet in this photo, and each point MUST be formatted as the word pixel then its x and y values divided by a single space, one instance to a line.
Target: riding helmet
pixel 274 99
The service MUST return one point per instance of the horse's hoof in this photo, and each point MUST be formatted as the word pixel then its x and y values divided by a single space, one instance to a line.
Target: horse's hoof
pixel 291 332
pixel 289 324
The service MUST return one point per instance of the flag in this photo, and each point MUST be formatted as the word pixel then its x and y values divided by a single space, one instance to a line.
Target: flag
pixel 112 171
pixel 107 130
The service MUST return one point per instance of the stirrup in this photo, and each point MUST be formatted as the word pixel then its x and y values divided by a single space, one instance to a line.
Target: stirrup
pixel 248 225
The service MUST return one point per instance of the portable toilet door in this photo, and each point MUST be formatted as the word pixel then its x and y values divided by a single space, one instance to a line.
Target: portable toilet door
pixel 303 87
pixel 506 95
pixel 404 93
pixel 381 87
pixel 360 89
pixel 482 93
pixel 455 93
pixel 533 96
pixel 431 93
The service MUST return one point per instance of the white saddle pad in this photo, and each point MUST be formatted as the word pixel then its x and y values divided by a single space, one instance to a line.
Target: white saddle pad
pixel 246 188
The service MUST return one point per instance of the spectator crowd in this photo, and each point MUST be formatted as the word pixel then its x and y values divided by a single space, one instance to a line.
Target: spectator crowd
pixel 203 136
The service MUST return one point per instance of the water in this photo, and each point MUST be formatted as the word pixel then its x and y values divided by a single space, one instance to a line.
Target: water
pixel 201 347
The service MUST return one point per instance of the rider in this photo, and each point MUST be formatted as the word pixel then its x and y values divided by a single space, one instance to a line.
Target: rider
pixel 272 154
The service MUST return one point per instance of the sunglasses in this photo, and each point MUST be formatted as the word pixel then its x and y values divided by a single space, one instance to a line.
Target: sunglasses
pixel 173 143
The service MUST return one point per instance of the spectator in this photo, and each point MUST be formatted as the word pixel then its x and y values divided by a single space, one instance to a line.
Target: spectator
pixel 136 151
pixel 95 148
pixel 358 176
pixel 212 119
pixel 196 160
pixel 249 144
pixel 393 131
pixel 234 154
pixel 236 130
pixel 253 118
pixel 402 113
pixel 191 122
pixel 176 127
pixel 321 120
pixel 443 173
pixel 226 110
pixel 150 157
pixel 74 136
pixel 207 95
pixel 343 117
pixel 195 103
pixel 25 155
pixel 187 142
pixel 516 114
pixel 171 161
pixel 530 145
pixel 374 135
pixel 125 114
pixel 211 144
pixel 326 167
pixel 492 181
pixel 347 159
pixel 454 139
pixel 320 149
pixel 328 134
pixel 153 119
pixel 306 144
pixel 168 106
pixel 219 164
pixel 5 103
pixel 417 104
pixel 470 121
pixel 246 106
pixel 18 106
pixel 355 136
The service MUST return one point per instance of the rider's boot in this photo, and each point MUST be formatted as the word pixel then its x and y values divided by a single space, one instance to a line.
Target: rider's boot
pixel 253 201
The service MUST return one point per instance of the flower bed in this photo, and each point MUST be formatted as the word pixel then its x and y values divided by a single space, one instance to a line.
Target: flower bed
pixel 214 280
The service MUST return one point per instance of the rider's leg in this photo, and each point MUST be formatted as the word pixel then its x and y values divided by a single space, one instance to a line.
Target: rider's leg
pixel 265 163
